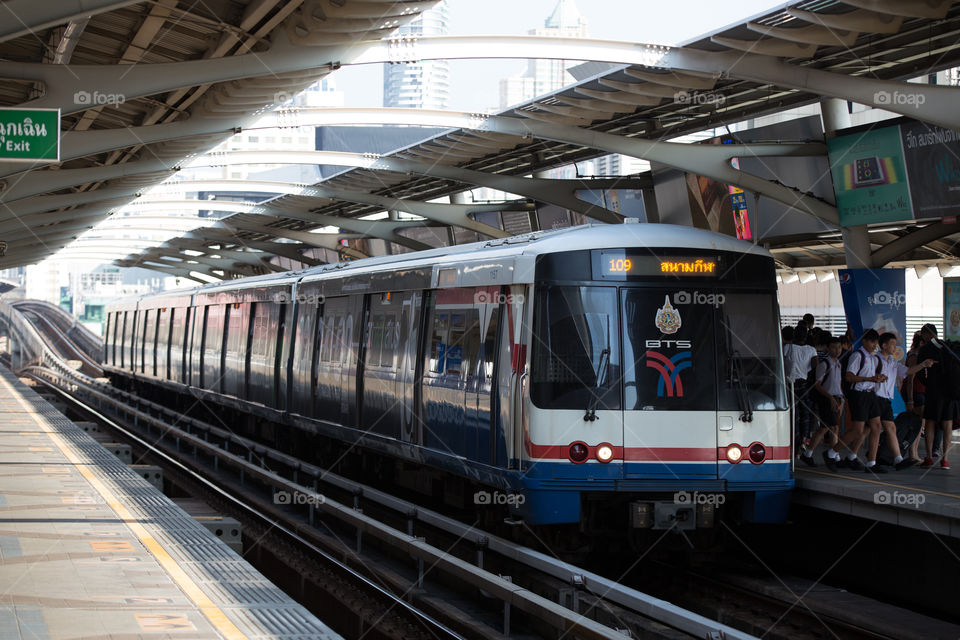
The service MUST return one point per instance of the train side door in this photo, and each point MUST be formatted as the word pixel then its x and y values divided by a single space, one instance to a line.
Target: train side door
pixel 670 396
pixel 480 385
pixel 409 337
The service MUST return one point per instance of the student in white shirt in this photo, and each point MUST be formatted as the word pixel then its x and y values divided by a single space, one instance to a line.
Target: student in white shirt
pixel 799 359
pixel 862 373
pixel 829 399
pixel 893 371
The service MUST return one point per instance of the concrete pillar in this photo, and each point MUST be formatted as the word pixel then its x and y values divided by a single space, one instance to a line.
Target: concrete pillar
pixel 856 240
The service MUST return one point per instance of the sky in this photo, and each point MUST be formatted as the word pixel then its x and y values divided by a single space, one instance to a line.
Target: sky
pixel 475 83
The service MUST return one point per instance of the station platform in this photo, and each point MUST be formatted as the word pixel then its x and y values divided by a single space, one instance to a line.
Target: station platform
pixel 925 499
pixel 89 549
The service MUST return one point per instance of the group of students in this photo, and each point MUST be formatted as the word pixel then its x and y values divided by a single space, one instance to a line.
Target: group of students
pixel 834 384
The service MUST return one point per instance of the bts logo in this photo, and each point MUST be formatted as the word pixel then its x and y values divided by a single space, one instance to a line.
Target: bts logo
pixel 670 384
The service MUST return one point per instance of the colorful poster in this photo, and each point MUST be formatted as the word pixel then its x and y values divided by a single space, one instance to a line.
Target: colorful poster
pixel 869 177
pixel 738 200
pixel 877 299
pixel 951 308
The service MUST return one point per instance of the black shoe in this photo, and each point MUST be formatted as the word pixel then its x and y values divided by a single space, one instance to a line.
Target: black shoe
pixel 906 463
pixel 855 465
pixel 808 460
pixel 843 463
pixel 874 469
pixel 830 462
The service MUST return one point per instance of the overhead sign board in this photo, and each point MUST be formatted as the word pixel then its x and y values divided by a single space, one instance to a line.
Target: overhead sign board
pixel 869 177
pixel 29 135
pixel 899 172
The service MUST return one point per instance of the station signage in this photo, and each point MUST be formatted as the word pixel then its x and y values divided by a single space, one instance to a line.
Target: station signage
pixel 29 135
pixel 906 171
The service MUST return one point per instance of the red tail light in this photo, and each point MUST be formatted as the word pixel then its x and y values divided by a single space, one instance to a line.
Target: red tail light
pixel 578 452
pixel 758 453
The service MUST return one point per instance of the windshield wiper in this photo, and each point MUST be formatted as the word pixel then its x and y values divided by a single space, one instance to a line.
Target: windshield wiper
pixel 591 413
pixel 736 377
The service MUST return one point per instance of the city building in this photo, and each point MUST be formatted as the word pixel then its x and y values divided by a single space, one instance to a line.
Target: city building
pixel 544 76
pixel 424 84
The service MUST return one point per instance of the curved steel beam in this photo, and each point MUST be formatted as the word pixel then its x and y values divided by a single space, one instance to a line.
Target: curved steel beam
pixel 22 17
pixel 38 182
pixel 913 240
pixel 284 56
pixel 712 161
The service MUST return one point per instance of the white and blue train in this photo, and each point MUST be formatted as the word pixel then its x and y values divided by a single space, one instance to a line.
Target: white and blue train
pixel 602 372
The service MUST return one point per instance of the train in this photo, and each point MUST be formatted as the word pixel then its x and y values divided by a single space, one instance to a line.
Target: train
pixel 627 374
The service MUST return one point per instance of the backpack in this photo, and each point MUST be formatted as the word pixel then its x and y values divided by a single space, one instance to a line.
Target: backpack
pixel 847 387
pixel 908 428
pixel 950 369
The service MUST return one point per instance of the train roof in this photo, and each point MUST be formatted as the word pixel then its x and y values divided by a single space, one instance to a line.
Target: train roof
pixel 593 236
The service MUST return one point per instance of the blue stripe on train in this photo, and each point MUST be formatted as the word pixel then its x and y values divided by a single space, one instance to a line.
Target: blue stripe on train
pixel 552 489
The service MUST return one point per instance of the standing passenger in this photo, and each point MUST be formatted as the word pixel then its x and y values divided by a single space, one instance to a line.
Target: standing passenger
pixel 829 399
pixel 863 373
pixel 892 371
pixel 914 392
pixel 938 409
pixel 798 360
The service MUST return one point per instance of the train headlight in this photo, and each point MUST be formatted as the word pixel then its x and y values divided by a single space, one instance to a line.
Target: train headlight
pixel 734 453
pixel 578 452
pixel 757 453
pixel 604 452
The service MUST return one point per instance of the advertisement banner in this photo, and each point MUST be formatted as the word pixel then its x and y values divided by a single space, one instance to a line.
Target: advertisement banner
pixel 877 299
pixel 932 156
pixel 951 308
pixel 869 177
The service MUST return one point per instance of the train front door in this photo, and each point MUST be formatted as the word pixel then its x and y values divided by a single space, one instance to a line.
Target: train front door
pixel 670 384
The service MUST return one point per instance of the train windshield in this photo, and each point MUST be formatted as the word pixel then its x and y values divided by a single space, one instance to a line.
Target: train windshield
pixel 681 350
pixel 750 359
pixel 576 350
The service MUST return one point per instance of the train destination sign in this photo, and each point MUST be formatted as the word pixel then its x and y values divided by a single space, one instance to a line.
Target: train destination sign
pixel 618 265
pixel 30 134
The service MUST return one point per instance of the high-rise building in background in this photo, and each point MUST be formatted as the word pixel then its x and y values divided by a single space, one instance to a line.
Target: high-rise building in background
pixel 424 84
pixel 543 76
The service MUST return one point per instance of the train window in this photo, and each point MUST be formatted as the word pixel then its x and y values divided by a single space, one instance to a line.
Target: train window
pixel 749 350
pixel 576 350
pixel 375 341
pixel 455 338
pixel 438 342
pixel 390 340
pixel 338 335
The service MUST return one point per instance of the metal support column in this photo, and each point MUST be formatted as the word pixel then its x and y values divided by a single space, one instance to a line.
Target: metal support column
pixel 856 240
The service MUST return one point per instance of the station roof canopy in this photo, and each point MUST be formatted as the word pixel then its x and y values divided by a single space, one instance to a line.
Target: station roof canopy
pixel 872 41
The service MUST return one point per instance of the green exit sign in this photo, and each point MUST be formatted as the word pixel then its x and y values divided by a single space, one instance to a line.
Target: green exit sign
pixel 30 134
